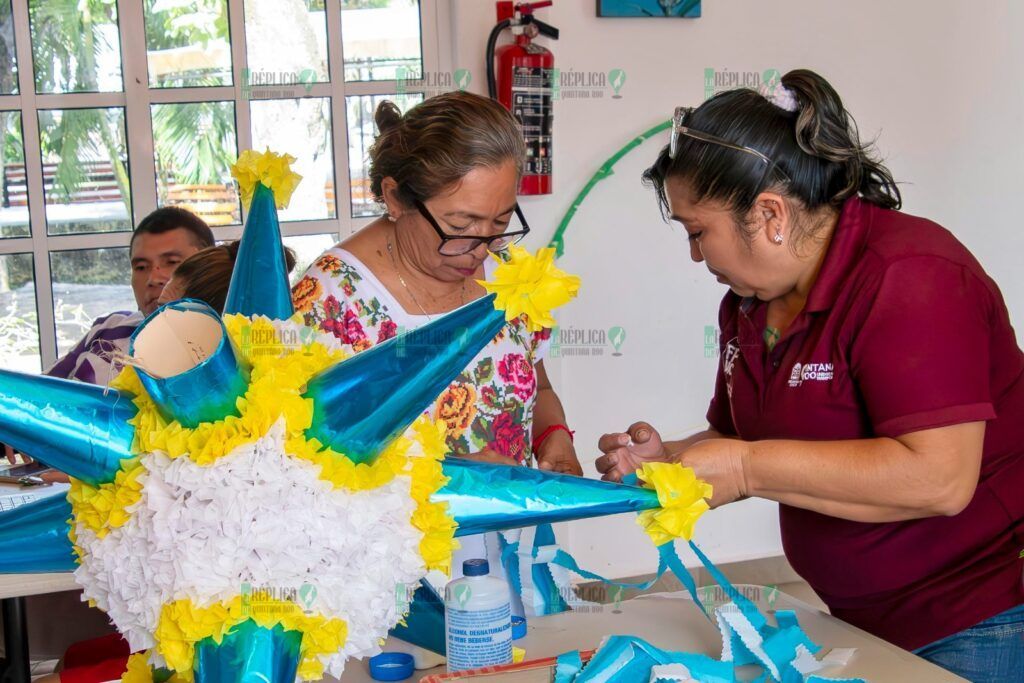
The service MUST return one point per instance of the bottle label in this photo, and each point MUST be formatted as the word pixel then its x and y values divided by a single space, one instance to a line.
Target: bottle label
pixel 481 638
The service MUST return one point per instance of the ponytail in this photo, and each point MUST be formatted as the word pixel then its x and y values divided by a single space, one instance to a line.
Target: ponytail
pixel 824 129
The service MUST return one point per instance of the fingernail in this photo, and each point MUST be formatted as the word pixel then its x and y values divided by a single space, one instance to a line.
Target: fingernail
pixel 624 439
pixel 643 434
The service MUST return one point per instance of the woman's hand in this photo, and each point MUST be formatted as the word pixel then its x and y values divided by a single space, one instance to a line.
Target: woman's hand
pixel 557 454
pixel 721 463
pixel 625 452
pixel 489 456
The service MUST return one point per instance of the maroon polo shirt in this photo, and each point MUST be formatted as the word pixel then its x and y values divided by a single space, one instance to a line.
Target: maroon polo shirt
pixel 902 331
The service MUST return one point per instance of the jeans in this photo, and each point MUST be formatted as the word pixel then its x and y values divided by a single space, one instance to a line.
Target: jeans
pixel 988 652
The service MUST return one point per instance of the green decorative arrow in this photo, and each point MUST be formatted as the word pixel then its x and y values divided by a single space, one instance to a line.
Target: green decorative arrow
pixel 558 240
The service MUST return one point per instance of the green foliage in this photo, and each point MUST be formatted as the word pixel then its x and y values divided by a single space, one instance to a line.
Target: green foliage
pixel 194 142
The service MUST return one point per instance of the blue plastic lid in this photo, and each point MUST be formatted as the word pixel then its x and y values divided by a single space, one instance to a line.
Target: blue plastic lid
pixel 518 627
pixel 391 666
pixel 476 568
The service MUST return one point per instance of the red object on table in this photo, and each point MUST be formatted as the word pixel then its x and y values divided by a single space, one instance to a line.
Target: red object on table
pixel 96 660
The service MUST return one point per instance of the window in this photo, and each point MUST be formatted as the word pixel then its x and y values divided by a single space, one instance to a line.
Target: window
pixel 109 110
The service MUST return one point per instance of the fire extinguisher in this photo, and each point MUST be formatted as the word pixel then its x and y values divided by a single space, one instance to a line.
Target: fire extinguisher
pixel 524 84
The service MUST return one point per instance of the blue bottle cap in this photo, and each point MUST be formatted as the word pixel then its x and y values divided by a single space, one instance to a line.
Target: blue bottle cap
pixel 518 627
pixel 475 568
pixel 391 666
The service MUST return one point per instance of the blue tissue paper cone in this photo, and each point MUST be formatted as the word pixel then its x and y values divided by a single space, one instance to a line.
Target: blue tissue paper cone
pixel 259 281
pixel 34 538
pixel 485 497
pixel 77 428
pixel 249 654
pixel 207 392
pixel 364 402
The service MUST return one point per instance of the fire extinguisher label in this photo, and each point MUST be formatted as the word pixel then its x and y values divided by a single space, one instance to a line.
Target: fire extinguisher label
pixel 531 105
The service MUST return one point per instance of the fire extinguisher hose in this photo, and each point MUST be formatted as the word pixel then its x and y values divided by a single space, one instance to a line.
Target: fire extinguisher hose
pixel 492 43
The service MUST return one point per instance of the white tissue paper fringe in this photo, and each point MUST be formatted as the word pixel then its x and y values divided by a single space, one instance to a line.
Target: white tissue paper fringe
pixel 261 517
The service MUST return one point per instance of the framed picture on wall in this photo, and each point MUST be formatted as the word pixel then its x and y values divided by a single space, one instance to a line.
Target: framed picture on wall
pixel 689 9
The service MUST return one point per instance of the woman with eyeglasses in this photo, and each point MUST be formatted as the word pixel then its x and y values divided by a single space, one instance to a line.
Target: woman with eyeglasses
pixel 446 173
pixel 870 380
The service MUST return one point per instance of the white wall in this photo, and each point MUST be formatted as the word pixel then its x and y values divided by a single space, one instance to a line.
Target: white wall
pixel 937 82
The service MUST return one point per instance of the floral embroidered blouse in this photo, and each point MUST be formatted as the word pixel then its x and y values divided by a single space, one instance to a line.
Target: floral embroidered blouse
pixel 489 405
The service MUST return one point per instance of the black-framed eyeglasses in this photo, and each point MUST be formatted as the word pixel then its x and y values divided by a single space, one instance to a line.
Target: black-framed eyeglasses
pixel 679 129
pixel 455 245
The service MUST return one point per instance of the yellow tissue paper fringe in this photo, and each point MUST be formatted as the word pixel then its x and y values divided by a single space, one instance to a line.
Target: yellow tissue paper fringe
pixel 682 497
pixel 438 527
pixel 104 507
pixel 138 670
pixel 272 170
pixel 182 625
pixel 531 285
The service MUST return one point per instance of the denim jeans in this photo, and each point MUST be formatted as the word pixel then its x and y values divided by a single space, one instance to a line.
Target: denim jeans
pixel 988 652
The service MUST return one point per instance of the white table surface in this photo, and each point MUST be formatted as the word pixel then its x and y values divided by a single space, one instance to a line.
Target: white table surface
pixel 20 585
pixel 672 622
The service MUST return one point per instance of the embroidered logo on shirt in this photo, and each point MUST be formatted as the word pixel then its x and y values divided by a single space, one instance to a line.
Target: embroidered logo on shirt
pixel 811 372
pixel 732 352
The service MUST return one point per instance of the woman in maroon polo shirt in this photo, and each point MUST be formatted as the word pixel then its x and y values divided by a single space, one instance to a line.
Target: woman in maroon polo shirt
pixel 870 380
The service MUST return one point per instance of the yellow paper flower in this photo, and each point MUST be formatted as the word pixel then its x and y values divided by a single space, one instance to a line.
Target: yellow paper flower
pixel 272 170
pixel 682 497
pixel 531 285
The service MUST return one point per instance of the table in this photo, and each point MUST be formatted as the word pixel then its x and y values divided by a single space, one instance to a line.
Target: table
pixel 14 588
pixel 671 621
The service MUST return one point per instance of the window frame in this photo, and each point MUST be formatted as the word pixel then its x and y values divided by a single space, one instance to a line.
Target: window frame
pixel 435 33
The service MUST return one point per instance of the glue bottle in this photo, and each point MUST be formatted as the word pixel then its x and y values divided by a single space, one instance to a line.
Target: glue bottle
pixel 478 619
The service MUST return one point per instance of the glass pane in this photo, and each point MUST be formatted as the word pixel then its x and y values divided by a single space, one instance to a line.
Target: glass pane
pixel 8 60
pixel 194 146
pixel 381 39
pixel 286 44
pixel 85 170
pixel 361 132
pixel 87 284
pixel 307 249
pixel 19 321
pixel 301 128
pixel 188 43
pixel 14 210
pixel 75 46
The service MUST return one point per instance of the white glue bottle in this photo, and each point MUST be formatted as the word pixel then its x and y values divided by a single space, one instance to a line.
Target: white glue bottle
pixel 478 619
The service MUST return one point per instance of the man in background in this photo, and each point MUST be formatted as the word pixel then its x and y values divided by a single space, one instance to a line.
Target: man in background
pixel 162 240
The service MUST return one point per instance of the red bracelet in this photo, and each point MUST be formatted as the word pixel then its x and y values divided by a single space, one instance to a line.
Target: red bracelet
pixel 537 441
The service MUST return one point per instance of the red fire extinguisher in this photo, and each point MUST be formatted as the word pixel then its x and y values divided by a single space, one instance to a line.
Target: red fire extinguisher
pixel 524 84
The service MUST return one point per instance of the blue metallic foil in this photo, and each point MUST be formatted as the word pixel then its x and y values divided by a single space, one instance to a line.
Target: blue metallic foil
pixel 626 659
pixel 485 497
pixel 249 654
pixel 34 538
pixel 259 281
pixel 205 393
pixel 365 401
pixel 424 625
pixel 78 428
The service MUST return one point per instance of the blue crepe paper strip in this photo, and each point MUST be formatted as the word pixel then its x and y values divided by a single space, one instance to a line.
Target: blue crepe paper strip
pixel 626 659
